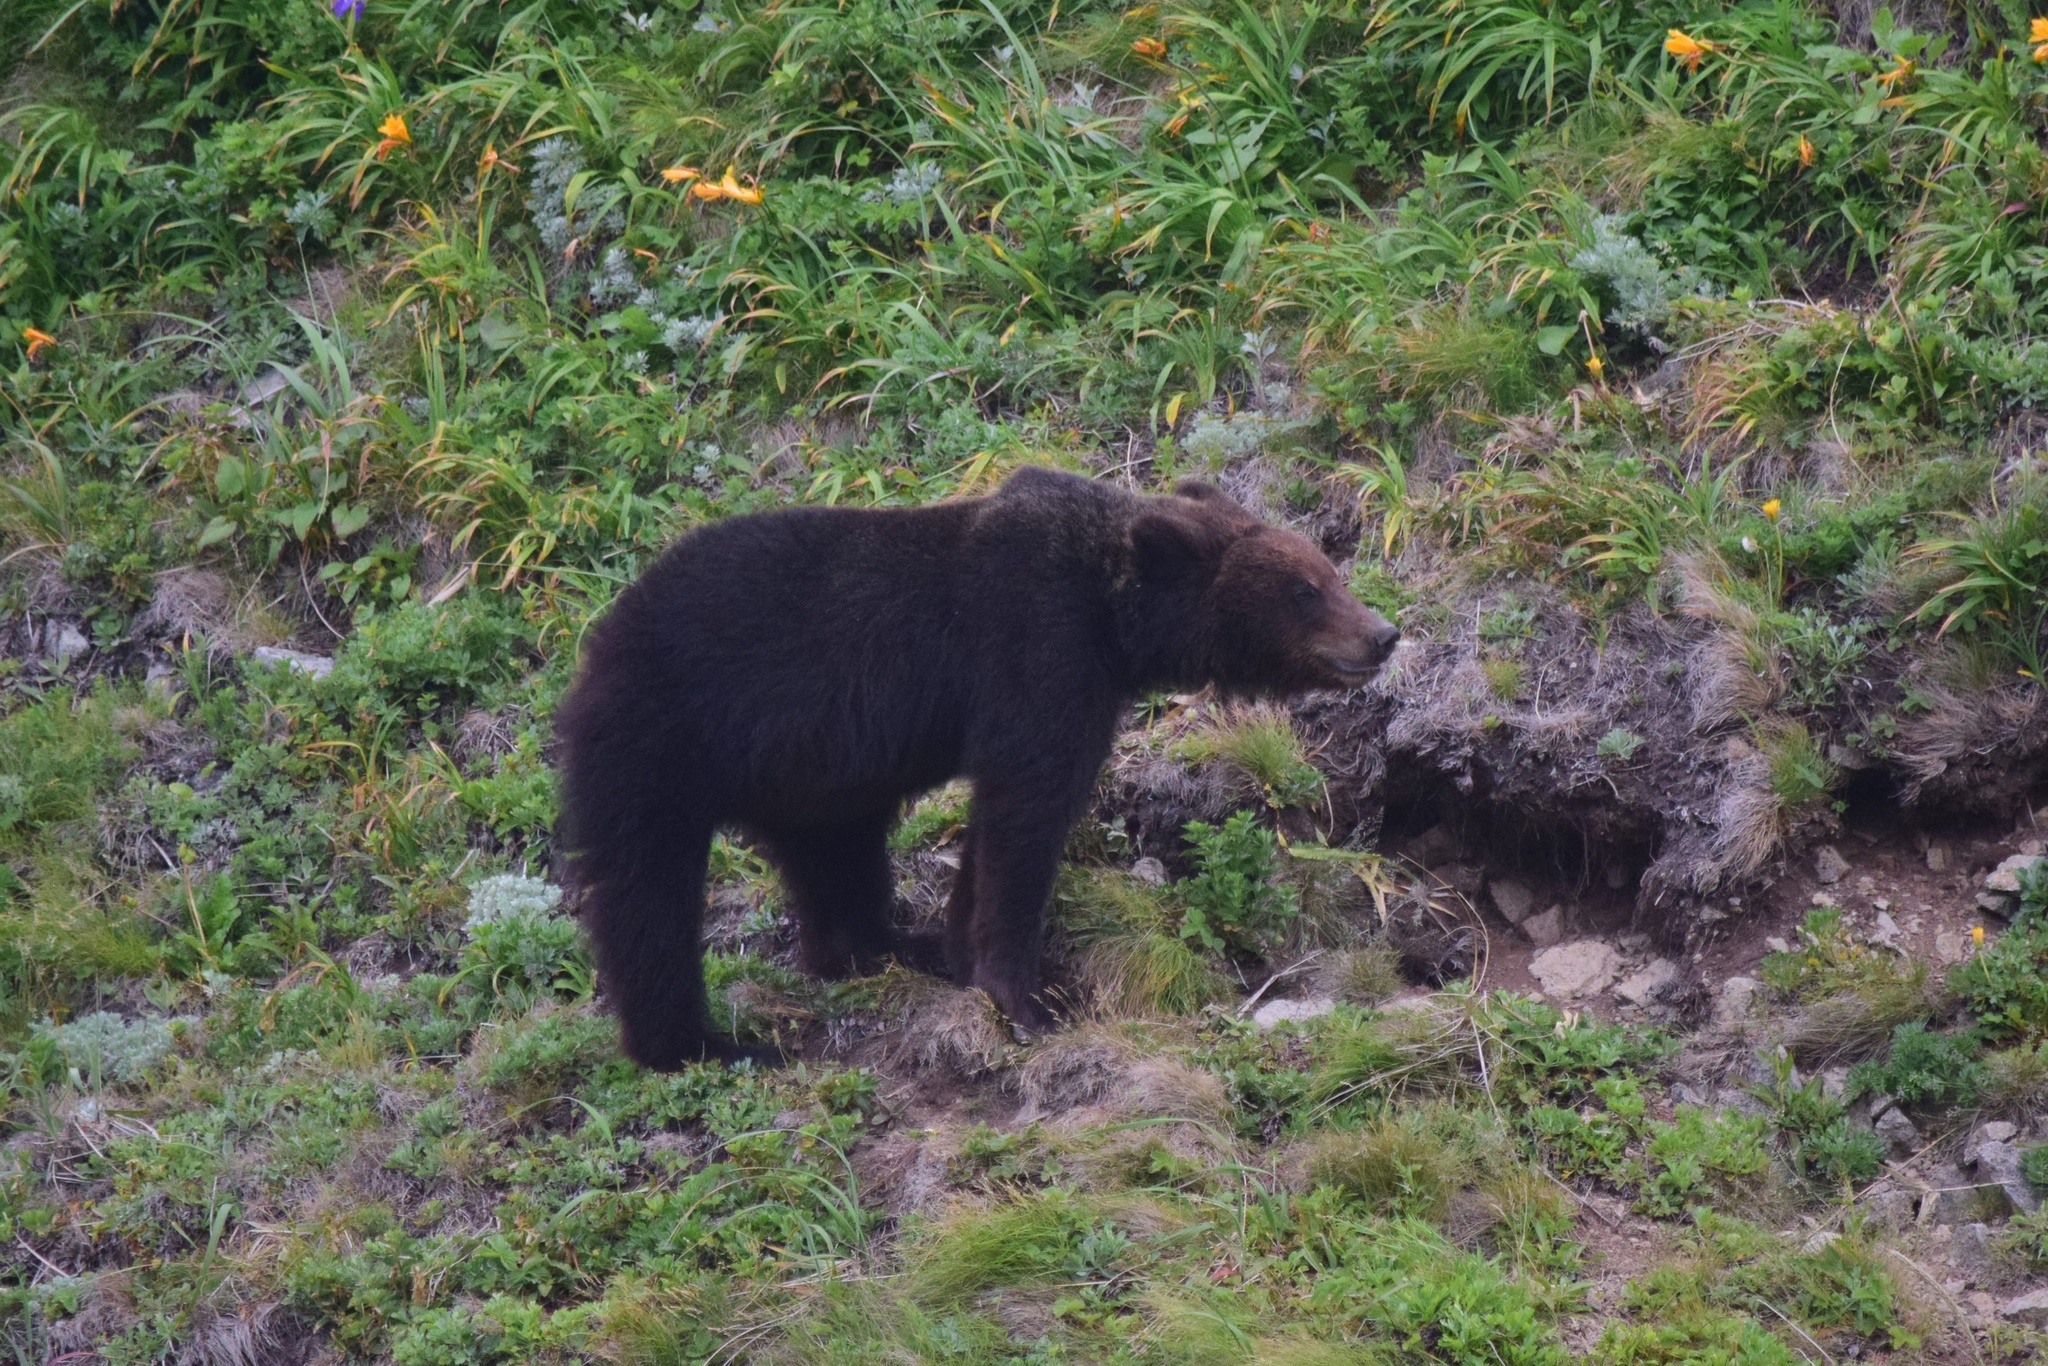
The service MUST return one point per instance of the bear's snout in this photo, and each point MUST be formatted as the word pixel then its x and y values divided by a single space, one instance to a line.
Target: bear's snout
pixel 1360 645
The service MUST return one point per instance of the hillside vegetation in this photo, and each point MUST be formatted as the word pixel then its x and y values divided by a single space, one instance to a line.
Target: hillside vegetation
pixel 1668 370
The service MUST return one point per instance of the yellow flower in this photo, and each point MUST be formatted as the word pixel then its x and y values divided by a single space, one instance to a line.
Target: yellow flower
pixel 732 189
pixel 1151 49
pixel 38 341
pixel 1898 73
pixel 1772 508
pixel 1596 366
pixel 1807 156
pixel 2037 34
pixel 396 135
pixel 707 190
pixel 1686 49
pixel 1977 935
pixel 676 175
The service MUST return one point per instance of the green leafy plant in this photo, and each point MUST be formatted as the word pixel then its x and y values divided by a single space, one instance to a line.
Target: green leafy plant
pixel 1233 902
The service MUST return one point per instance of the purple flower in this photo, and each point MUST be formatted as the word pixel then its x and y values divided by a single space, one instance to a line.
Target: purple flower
pixel 348 9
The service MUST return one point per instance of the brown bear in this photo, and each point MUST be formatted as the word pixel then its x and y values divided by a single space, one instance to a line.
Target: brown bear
pixel 798 674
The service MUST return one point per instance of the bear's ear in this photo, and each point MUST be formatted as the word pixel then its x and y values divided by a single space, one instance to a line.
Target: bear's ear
pixel 1169 546
pixel 1195 491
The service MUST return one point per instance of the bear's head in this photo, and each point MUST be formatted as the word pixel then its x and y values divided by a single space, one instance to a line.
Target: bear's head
pixel 1251 607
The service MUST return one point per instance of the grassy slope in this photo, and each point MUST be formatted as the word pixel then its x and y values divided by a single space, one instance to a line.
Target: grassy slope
pixel 404 336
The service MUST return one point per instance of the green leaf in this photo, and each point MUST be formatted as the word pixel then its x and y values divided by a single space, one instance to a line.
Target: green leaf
pixel 217 530
pixel 1550 340
pixel 230 477
pixel 347 519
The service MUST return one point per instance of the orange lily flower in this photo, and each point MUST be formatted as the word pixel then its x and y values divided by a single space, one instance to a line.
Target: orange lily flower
pixel 492 161
pixel 1807 156
pixel 1151 49
pixel 676 175
pixel 1888 79
pixel 2037 34
pixel 730 186
pixel 1685 48
pixel 38 341
pixel 396 135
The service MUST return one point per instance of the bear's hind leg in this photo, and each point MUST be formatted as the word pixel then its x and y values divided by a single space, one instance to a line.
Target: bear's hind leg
pixel 841 889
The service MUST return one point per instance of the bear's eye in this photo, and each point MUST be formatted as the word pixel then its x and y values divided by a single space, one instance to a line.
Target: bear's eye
pixel 1306 593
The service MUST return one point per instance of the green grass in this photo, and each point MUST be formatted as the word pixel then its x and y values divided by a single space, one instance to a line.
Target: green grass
pixel 407 335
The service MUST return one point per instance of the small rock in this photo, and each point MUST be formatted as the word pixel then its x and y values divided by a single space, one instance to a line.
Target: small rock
pixel 1997 904
pixel 1892 1208
pixel 2006 876
pixel 1149 871
pixel 1584 967
pixel 1951 946
pixel 1732 1002
pixel 1684 1094
pixel 1640 987
pixel 1983 1308
pixel 1887 929
pixel 313 666
pixel 1937 856
pixel 1953 1198
pixel 2033 848
pixel 1901 1137
pixel 1513 900
pixel 1776 944
pixel 2030 1309
pixel 64 642
pixel 1834 1082
pixel 1406 1001
pixel 1282 1012
pixel 1829 865
pixel 1972 1248
pixel 1998 1163
pixel 1820 1242
pixel 1544 930
pixel 1996 1131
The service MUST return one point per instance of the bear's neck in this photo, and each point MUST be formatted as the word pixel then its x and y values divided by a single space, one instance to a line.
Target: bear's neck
pixel 1162 638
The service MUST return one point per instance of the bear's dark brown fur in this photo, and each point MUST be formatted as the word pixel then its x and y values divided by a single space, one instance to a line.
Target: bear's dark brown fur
pixel 798 674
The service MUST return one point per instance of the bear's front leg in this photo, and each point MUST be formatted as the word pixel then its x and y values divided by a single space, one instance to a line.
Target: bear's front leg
pixel 1017 834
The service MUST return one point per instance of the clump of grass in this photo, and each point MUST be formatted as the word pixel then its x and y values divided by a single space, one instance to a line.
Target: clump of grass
pixel 1363 976
pixel 934 815
pixel 1261 743
pixel 2016 1080
pixel 1049 1236
pixel 1503 678
pixel 1133 962
pixel 1393 1168
pixel 1421 1052
pixel 1800 772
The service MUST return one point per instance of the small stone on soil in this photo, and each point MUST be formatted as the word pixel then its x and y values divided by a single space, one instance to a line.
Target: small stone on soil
pixel 1582 968
pixel 2006 876
pixel 1828 864
pixel 1514 901
pixel 1642 986
pixel 1937 857
pixel 1282 1012
pixel 1149 871
pixel 1900 1136
pixel 1544 930
pixel 1731 1004
pixel 2030 1309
